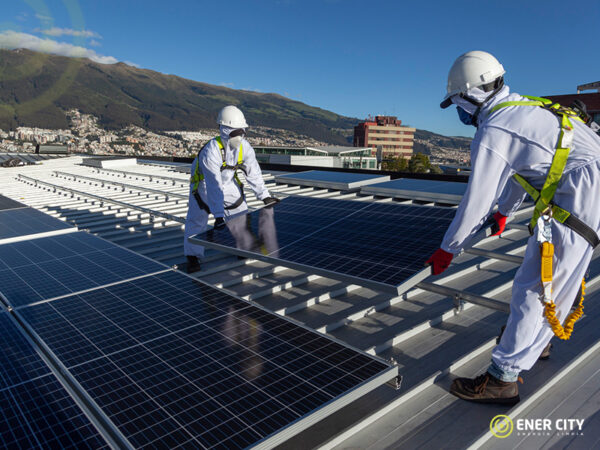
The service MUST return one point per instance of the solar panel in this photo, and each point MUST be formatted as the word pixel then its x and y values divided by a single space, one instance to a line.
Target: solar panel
pixel 35 409
pixel 9 203
pixel 28 223
pixel 331 180
pixel 426 190
pixel 379 245
pixel 39 269
pixel 172 361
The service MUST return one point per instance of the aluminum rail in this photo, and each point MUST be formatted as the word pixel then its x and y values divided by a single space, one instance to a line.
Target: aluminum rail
pixel 495 255
pixel 122 185
pixel 151 212
pixel 465 296
pixel 183 181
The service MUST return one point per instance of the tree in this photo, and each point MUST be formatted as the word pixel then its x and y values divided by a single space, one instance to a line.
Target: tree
pixel 398 164
pixel 419 163
pixel 435 169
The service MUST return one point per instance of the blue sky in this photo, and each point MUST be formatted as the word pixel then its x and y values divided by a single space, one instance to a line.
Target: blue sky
pixel 352 57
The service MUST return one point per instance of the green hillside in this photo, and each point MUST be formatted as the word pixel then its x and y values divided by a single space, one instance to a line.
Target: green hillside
pixel 36 89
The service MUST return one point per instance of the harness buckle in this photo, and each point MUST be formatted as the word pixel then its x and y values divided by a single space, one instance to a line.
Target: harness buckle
pixel 544 226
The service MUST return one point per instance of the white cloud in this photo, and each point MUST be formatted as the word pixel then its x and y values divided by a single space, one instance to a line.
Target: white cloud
pixel 55 32
pixel 13 39
pixel 224 84
pixel 94 43
pixel 43 18
pixel 132 64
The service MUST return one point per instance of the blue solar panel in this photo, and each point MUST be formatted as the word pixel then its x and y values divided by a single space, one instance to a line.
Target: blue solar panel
pixel 28 221
pixel 39 269
pixel 7 203
pixel 172 361
pixel 426 190
pixel 332 180
pixel 35 409
pixel 378 244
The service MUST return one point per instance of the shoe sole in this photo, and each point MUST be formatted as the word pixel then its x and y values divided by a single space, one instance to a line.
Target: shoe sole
pixel 500 401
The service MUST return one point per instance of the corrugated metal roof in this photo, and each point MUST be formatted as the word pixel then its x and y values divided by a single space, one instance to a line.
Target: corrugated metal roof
pixel 431 336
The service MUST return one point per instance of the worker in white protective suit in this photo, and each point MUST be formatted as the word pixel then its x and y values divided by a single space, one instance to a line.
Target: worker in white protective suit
pixel 518 143
pixel 215 187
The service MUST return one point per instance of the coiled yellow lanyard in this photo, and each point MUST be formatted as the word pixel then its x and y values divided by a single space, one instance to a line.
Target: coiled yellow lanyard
pixel 547 254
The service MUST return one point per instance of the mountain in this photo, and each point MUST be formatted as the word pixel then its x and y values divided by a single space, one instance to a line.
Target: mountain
pixel 37 88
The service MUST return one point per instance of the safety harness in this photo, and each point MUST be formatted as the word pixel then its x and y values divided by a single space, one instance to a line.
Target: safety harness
pixel 545 210
pixel 198 176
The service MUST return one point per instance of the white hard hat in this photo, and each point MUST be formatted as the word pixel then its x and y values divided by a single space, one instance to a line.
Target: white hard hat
pixel 232 117
pixel 473 69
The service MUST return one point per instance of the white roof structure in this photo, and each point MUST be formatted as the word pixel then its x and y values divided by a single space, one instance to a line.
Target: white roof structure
pixel 434 332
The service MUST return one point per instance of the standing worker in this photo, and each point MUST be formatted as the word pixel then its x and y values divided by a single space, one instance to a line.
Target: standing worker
pixel 524 146
pixel 215 186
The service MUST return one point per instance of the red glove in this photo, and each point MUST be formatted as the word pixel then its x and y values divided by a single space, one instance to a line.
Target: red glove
pixel 440 260
pixel 500 224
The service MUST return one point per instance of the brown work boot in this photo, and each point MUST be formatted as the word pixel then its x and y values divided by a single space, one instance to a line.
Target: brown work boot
pixel 486 389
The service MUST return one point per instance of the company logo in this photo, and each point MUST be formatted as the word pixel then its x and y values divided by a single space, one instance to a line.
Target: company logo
pixel 501 426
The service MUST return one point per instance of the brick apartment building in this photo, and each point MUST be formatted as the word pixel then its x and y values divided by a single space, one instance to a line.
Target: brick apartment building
pixel 387 131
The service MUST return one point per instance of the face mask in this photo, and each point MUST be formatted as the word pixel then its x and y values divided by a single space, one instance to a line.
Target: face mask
pixel 235 142
pixel 464 116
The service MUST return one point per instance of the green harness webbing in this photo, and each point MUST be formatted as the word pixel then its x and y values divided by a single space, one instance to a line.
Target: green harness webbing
pixel 543 198
pixel 198 175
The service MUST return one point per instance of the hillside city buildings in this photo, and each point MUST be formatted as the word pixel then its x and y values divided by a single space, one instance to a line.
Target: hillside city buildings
pixel 275 146
pixel 86 136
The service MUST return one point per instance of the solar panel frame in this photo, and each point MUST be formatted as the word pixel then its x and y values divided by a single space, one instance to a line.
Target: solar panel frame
pixel 8 203
pixel 38 408
pixel 45 268
pixel 450 192
pixel 28 223
pixel 343 181
pixel 354 225
pixel 96 364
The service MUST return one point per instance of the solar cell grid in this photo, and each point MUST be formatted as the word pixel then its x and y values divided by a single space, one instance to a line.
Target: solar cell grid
pixel 8 203
pixel 44 268
pixel 425 190
pixel 171 361
pixel 29 221
pixel 35 409
pixel 381 244
pixel 18 360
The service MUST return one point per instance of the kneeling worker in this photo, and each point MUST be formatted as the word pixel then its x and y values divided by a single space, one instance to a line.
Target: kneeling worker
pixel 524 146
pixel 214 184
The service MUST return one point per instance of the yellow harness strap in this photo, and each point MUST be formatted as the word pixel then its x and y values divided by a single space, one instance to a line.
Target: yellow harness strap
pixel 545 209
pixel 198 176
pixel 543 197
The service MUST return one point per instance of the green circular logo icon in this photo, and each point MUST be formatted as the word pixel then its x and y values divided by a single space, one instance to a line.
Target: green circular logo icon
pixel 501 426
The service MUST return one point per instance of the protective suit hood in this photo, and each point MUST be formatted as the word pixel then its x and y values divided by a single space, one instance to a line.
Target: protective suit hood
pixel 480 95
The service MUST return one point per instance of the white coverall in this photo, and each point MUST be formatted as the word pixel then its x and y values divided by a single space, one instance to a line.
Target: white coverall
pixel 523 139
pixel 219 188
